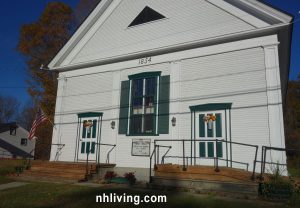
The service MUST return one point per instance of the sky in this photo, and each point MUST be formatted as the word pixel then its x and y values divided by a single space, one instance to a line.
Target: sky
pixel 14 13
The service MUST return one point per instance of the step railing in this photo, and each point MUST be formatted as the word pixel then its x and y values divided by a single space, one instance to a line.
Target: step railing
pixel 185 158
pixel 264 156
pixel 88 171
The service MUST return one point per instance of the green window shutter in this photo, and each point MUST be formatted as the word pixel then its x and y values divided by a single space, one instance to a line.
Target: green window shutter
pixel 82 147
pixel 93 147
pixel 202 152
pixel 201 126
pixel 218 125
pixel 124 107
pixel 83 130
pixel 94 128
pixel 164 105
pixel 210 131
pixel 219 149
pixel 88 147
pixel 210 149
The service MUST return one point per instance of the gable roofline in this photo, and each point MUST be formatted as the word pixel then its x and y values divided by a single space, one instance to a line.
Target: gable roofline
pixel 106 7
pixel 80 32
pixel 262 10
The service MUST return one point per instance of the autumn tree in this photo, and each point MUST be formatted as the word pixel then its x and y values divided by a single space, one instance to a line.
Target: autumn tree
pixel 39 42
pixel 292 124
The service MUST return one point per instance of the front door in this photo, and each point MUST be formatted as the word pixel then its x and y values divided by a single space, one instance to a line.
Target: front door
pixel 210 125
pixel 88 139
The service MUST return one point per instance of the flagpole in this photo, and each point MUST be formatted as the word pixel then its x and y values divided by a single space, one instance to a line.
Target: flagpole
pixel 49 119
pixel 51 123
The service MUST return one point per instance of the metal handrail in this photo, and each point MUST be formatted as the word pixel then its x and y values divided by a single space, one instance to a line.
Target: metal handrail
pixel 108 153
pixel 163 157
pixel 264 155
pixel 227 160
pixel 150 169
pixel 59 148
pixel 216 159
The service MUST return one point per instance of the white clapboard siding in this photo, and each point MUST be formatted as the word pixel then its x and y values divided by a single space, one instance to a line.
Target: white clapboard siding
pixel 164 68
pixel 84 93
pixel 185 21
pixel 236 77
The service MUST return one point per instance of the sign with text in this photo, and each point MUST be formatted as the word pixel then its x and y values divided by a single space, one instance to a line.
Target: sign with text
pixel 140 147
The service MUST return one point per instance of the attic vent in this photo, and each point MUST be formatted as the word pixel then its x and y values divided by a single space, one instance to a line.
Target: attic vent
pixel 147 15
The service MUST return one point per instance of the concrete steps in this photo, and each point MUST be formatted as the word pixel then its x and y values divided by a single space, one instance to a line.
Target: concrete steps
pixel 205 179
pixel 203 186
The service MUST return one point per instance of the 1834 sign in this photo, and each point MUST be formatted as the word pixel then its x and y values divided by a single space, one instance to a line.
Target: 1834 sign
pixel 146 60
pixel 140 147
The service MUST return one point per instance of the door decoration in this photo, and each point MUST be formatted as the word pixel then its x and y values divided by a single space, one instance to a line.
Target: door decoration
pixel 88 124
pixel 209 119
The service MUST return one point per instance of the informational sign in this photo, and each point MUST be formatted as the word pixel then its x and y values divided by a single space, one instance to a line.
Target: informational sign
pixel 140 147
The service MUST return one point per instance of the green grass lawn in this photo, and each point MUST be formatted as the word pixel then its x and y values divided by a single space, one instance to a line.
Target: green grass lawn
pixel 4 180
pixel 38 194
pixel 8 166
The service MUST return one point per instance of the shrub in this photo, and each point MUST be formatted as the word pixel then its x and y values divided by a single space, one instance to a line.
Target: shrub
pixel 109 175
pixel 277 187
pixel 130 177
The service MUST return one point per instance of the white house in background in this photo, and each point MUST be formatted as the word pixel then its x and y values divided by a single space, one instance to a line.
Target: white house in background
pixel 14 142
pixel 141 71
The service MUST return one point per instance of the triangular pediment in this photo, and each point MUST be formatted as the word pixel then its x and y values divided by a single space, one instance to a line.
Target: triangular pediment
pixel 145 16
pixel 110 32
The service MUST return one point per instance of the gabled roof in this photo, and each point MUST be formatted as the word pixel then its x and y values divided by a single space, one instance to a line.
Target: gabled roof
pixel 8 126
pixel 251 17
pixel 13 150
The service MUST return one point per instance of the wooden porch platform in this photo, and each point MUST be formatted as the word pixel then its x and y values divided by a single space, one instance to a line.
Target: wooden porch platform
pixel 62 170
pixel 207 173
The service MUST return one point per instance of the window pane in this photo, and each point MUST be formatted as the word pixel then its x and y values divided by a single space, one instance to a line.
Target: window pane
pixel 210 148
pixel 149 105
pixel 149 123
pixel 136 124
pixel 24 141
pixel 137 88
pixel 93 147
pixel 150 86
pixel 82 147
pixel 87 147
pixel 202 149
pixel 137 106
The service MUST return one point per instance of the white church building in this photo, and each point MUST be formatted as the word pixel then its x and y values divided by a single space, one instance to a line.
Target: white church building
pixel 139 72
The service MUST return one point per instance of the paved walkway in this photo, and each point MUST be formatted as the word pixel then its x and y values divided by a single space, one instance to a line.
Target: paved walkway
pixel 11 185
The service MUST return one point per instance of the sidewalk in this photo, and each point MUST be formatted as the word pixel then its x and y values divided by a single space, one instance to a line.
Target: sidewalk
pixel 12 185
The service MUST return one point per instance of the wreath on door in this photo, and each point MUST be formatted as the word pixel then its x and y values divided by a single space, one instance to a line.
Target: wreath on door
pixel 88 124
pixel 209 119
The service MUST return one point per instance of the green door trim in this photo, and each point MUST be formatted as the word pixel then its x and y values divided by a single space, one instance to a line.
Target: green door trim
pixel 87 115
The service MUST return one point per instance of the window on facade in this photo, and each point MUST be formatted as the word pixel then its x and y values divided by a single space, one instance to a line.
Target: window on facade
pixel 13 130
pixel 24 142
pixel 144 104
pixel 143 114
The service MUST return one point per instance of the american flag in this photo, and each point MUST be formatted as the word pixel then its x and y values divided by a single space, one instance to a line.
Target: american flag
pixel 39 118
